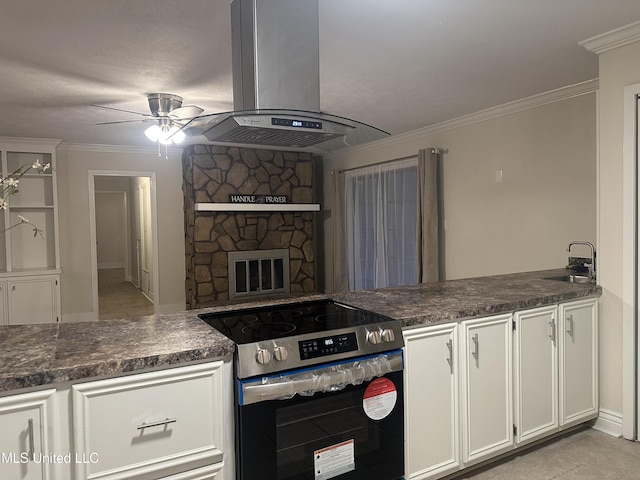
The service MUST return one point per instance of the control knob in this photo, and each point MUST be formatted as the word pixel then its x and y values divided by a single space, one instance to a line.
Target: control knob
pixel 388 335
pixel 263 356
pixel 374 337
pixel 280 353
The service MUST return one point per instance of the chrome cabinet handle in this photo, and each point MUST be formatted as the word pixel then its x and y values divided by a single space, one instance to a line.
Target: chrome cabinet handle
pixel 166 421
pixel 476 347
pixel 552 335
pixel 570 322
pixel 450 347
pixel 31 440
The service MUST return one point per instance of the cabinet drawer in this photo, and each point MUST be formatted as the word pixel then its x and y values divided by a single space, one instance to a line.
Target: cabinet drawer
pixel 149 425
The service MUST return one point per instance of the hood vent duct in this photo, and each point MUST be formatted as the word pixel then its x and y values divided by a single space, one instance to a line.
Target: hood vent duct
pixel 276 83
pixel 275 54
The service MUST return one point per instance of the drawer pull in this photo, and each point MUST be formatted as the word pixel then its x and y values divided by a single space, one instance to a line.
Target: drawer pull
pixel 476 347
pixel 450 357
pixel 570 323
pixel 32 455
pixel 166 421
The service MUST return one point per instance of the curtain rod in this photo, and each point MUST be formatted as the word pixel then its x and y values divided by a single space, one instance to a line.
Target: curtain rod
pixel 433 150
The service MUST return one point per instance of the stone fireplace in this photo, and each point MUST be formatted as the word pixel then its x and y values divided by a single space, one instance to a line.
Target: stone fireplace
pixel 213 174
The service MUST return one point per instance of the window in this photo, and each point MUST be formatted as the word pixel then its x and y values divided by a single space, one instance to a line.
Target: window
pixel 258 272
pixel 381 219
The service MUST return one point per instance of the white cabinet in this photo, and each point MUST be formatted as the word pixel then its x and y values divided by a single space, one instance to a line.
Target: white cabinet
pixel 536 373
pixel 26 436
pixel 34 204
pixel 4 318
pixel 152 425
pixel 431 401
pixel 486 387
pixel 578 361
pixel 32 299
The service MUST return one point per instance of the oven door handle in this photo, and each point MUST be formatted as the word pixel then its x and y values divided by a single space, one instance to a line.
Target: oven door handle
pixel 328 379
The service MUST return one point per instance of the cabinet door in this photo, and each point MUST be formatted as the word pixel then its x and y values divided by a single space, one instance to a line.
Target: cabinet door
pixel 33 300
pixel 578 361
pixel 149 425
pixel 26 427
pixel 486 371
pixel 3 304
pixel 536 373
pixel 431 401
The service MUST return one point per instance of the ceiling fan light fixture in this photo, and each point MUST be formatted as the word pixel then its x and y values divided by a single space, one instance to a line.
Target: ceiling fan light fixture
pixel 177 135
pixel 153 133
pixel 165 134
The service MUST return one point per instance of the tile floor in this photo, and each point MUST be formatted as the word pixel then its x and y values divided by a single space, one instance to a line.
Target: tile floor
pixel 583 455
pixel 118 298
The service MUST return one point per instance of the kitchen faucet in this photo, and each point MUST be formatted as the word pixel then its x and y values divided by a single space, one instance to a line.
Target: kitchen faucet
pixel 592 265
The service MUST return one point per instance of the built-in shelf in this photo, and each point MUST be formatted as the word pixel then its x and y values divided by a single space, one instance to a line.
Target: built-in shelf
pixel 257 207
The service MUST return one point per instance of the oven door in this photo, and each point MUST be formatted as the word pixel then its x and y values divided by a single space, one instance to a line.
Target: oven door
pixel 343 420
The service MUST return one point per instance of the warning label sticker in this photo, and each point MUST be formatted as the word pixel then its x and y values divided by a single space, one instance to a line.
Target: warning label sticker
pixel 379 398
pixel 335 460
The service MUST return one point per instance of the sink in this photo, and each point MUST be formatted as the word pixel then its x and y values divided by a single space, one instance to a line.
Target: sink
pixel 571 278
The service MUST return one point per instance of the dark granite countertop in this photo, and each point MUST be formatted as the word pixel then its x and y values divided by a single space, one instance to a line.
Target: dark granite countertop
pixel 454 300
pixel 38 355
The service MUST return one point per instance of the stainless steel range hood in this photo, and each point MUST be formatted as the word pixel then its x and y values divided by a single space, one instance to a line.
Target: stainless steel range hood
pixel 276 83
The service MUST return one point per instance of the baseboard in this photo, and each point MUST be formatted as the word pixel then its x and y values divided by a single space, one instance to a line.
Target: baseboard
pixel 107 265
pixel 609 422
pixel 170 308
pixel 79 317
pixel 92 317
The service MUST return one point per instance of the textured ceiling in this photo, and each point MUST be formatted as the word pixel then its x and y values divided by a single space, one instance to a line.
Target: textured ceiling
pixel 398 65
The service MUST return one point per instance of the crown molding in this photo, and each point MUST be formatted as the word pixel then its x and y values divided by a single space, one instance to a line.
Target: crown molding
pixel 552 96
pixel 614 39
pixel 48 142
pixel 88 147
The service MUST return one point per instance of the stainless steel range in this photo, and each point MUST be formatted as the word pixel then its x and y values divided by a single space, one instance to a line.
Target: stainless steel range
pixel 319 392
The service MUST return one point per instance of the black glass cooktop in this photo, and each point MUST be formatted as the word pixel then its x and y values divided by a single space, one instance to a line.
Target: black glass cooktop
pixel 268 323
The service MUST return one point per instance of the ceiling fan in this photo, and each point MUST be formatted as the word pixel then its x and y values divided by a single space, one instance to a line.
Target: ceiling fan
pixel 168 113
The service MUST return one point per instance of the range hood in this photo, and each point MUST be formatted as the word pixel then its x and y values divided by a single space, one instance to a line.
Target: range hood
pixel 276 84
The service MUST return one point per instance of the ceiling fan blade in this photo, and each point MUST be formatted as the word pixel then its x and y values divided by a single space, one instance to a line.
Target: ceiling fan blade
pixel 123 121
pixel 186 112
pixel 121 110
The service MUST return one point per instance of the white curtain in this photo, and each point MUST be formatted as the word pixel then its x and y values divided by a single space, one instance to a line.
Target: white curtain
pixel 380 220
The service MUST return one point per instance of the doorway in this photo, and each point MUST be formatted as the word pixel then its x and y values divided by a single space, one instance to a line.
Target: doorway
pixel 123 243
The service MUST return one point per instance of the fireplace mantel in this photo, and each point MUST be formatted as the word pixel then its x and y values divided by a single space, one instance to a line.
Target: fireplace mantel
pixel 257 207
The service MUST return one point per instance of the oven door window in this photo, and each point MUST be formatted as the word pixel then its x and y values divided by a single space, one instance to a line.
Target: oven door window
pixel 281 439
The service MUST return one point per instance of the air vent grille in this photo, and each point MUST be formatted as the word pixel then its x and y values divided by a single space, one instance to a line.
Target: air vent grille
pixel 273 137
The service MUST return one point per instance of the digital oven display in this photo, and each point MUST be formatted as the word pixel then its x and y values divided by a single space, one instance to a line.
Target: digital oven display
pixel 320 347
pixel 289 122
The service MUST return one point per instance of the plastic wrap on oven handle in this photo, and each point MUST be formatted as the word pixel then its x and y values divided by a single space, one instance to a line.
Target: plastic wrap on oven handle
pixel 326 379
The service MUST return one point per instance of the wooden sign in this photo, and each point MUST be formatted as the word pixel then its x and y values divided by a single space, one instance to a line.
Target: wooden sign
pixel 234 198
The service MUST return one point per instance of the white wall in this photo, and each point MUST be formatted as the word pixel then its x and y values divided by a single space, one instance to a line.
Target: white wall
pixel 618 68
pixel 547 198
pixel 74 163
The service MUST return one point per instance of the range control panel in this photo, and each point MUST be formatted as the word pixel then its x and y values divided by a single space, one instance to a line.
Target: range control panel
pixel 320 347
pixel 290 122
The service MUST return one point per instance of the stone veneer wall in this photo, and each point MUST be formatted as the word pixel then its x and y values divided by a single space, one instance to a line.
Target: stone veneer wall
pixel 212 173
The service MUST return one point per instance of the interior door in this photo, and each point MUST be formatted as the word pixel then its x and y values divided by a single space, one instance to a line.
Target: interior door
pixel 144 241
